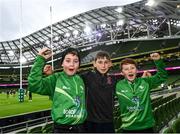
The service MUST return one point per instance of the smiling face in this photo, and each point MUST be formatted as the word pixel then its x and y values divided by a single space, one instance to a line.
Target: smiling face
pixel 70 64
pixel 129 71
pixel 102 65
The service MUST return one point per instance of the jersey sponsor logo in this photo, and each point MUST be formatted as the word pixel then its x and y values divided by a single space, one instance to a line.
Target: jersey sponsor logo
pixel 135 100
pixel 141 88
pixel 77 101
pixel 137 107
pixel 70 112
pixel 134 108
pixel 82 87
pixel 64 87
pixel 124 91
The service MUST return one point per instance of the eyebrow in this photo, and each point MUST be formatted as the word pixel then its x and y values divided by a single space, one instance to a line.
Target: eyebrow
pixel 71 58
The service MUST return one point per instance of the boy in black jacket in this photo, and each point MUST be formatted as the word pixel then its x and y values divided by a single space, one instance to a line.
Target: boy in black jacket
pixel 100 88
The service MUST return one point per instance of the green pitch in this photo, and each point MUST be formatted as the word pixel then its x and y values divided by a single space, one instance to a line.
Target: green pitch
pixel 10 106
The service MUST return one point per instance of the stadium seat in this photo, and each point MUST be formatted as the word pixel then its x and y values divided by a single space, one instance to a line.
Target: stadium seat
pixel 160 115
pixel 176 126
pixel 22 132
pixel 36 130
pixel 167 130
pixel 156 113
pixel 48 128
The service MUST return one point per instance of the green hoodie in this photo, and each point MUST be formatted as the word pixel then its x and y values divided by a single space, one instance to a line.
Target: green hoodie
pixel 67 93
pixel 134 99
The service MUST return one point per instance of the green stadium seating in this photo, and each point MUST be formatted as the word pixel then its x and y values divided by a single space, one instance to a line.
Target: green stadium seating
pixel 161 101
pixel 156 99
pixel 160 116
pixel 22 132
pixel 36 130
pixel 176 126
pixel 168 130
pixel 48 128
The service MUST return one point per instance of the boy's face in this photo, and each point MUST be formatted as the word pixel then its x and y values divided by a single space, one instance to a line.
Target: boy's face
pixel 129 71
pixel 102 65
pixel 70 64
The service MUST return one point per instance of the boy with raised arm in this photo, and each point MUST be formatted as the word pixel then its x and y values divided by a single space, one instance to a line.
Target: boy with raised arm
pixel 134 95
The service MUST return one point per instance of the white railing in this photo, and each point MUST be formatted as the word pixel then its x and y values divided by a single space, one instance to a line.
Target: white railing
pixel 25 125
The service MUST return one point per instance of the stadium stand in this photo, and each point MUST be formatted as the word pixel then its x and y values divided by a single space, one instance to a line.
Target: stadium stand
pixel 165 108
pixel 130 40
pixel 42 128
pixel 24 121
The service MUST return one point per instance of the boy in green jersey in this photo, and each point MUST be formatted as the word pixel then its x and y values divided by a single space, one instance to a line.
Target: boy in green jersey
pixel 66 89
pixel 134 95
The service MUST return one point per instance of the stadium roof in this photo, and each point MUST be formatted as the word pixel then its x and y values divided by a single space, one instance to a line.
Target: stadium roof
pixel 106 25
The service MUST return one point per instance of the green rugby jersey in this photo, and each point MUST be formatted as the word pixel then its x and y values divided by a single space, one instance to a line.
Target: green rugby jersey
pixel 134 99
pixel 67 93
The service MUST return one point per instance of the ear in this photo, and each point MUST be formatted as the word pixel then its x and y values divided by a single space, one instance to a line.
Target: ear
pixel 94 63
pixel 110 63
pixel 121 73
pixel 62 65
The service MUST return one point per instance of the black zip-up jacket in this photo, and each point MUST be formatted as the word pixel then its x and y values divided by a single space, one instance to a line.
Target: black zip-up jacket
pixel 99 96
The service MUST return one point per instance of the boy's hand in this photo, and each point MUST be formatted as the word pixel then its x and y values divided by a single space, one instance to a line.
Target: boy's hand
pixel 146 74
pixel 155 56
pixel 45 52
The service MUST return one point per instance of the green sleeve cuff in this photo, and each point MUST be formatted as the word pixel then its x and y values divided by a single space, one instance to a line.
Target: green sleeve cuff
pixel 40 58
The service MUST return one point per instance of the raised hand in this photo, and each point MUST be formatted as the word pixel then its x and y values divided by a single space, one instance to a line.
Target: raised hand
pixel 146 74
pixel 155 56
pixel 45 52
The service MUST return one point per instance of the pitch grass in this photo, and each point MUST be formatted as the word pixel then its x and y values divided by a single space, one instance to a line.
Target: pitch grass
pixel 11 106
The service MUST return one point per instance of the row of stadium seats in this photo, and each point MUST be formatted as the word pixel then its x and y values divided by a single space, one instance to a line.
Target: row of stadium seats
pixel 166 112
pixel 39 129
pixel 162 100
pixel 166 109
pixel 117 119
pixel 173 128
pixel 156 99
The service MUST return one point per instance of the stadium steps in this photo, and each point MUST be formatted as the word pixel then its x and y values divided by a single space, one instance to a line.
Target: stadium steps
pixel 173 128
pixel 165 113
pixel 36 130
pixel 164 110
pixel 42 128
pixel 48 128
pixel 161 100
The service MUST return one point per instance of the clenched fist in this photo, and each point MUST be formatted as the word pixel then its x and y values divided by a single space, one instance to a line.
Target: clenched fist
pixel 155 56
pixel 45 52
pixel 146 74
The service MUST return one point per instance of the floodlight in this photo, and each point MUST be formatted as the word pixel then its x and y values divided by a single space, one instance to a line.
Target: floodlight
pixel 120 23
pixel 99 34
pixel 67 35
pixel 47 42
pixel 11 53
pixel 75 32
pixel 119 9
pixel 56 38
pixel 103 25
pixel 150 3
pixel 87 30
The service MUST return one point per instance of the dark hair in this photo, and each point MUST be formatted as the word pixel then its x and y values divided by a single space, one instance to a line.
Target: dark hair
pixel 101 55
pixel 70 50
pixel 127 61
